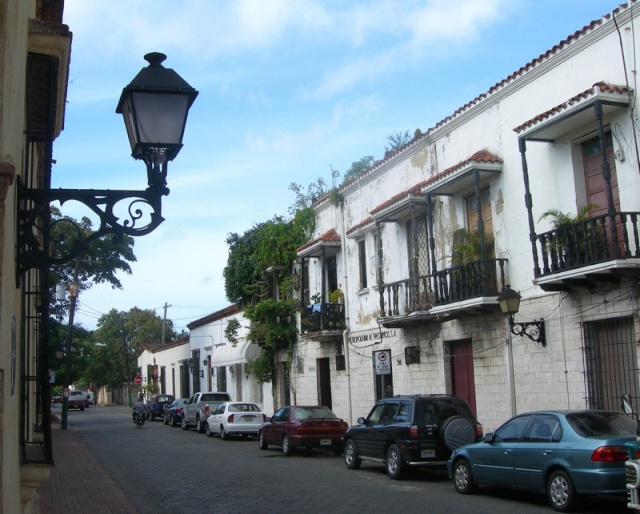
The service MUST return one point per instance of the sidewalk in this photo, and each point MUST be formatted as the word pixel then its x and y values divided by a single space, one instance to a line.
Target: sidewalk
pixel 78 484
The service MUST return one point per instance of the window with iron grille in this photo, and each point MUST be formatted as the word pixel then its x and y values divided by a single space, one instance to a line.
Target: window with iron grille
pixel 362 259
pixel 412 355
pixel 610 363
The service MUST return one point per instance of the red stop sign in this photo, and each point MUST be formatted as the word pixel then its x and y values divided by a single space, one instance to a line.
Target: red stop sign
pixel 138 380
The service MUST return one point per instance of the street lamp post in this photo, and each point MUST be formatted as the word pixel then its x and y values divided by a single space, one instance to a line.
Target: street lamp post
pixel 154 106
pixel 73 295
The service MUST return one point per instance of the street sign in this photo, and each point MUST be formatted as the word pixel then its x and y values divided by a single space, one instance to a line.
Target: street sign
pixel 138 380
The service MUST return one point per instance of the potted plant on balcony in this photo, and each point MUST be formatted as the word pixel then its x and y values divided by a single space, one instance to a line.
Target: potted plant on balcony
pixel 468 275
pixel 573 237
pixel 336 296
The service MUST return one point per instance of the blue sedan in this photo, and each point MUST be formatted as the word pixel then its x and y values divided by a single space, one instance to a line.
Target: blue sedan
pixel 560 453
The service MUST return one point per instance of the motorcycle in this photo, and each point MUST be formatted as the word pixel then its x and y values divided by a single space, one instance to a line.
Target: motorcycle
pixel 138 419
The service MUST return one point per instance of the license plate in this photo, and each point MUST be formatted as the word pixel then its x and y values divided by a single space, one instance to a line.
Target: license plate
pixel 325 442
pixel 429 453
pixel 248 418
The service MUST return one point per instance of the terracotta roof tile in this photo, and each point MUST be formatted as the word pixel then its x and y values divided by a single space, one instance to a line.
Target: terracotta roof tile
pixel 330 236
pixel 603 87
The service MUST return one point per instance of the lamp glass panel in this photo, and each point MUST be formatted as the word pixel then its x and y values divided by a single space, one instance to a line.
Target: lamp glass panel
pixel 161 118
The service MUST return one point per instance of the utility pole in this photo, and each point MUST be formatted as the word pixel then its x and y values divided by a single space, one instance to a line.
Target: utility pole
pixel 73 295
pixel 164 322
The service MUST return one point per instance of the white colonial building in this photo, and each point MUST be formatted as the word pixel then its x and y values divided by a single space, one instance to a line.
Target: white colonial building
pixel 220 358
pixel 164 368
pixel 534 184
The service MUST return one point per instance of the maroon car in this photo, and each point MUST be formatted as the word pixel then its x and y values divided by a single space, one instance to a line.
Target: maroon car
pixel 303 426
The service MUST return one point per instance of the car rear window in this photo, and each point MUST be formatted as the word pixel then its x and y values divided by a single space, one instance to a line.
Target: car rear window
pixel 244 407
pixel 215 397
pixel 164 399
pixel 594 424
pixel 313 413
pixel 438 410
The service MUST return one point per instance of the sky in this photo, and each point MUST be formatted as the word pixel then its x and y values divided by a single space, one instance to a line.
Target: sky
pixel 289 90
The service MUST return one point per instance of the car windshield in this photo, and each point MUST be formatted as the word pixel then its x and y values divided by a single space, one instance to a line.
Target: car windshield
pixel 313 413
pixel 598 423
pixel 164 399
pixel 244 407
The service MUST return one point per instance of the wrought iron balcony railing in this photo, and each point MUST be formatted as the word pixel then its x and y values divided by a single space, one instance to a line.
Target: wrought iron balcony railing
pixel 588 242
pixel 323 316
pixel 454 284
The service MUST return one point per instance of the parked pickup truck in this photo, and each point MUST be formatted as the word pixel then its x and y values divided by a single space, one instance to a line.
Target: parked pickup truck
pixel 200 407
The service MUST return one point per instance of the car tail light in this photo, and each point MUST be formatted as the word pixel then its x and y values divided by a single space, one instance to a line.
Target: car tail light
pixel 264 418
pixel 230 418
pixel 479 432
pixel 206 409
pixel 413 432
pixel 179 410
pixel 610 454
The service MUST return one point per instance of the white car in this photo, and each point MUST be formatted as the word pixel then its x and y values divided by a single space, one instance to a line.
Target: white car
pixel 235 418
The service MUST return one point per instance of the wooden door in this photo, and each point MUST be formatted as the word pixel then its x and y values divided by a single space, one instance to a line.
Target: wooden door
pixel 596 185
pixel 462 376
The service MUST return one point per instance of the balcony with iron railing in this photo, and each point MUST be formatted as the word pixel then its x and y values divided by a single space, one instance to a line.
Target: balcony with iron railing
pixel 599 249
pixel 474 285
pixel 323 320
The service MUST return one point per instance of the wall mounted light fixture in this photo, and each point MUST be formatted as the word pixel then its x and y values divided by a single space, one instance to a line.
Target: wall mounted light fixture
pixel 155 106
pixel 509 302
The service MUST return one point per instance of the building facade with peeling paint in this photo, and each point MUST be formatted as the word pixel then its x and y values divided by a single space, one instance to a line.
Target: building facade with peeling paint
pixel 534 184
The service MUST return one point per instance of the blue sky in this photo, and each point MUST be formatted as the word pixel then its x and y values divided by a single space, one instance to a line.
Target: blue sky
pixel 289 89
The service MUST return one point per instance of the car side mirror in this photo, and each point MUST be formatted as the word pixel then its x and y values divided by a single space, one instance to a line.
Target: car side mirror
pixel 489 438
pixel 362 421
pixel 626 404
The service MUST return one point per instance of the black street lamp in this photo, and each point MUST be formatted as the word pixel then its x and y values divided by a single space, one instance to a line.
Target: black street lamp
pixel 509 302
pixel 155 106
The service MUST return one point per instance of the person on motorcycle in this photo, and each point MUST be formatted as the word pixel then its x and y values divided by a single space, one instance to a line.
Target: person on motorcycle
pixel 139 408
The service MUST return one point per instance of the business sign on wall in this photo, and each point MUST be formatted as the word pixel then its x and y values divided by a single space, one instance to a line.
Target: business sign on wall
pixel 382 362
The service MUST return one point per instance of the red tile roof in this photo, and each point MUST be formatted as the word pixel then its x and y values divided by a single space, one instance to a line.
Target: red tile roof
pixel 330 236
pixel 602 87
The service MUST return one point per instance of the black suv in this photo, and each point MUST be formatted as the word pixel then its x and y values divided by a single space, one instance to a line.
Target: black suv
pixel 411 430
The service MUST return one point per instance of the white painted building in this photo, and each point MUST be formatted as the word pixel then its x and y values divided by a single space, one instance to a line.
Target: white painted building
pixel 164 368
pixel 221 364
pixel 420 311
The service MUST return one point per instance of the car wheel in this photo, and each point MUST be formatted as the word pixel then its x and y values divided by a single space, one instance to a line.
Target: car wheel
pixel 183 424
pixel 560 491
pixel 457 431
pixel 262 442
pixel 286 446
pixel 463 478
pixel 351 458
pixel 199 426
pixel 81 408
pixel 395 466
pixel 207 430
pixel 223 434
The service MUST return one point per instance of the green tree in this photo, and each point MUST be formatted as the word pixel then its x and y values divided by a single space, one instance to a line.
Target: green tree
pixel 120 336
pixel 358 168
pixel 269 244
pixel 100 263
pixel 397 140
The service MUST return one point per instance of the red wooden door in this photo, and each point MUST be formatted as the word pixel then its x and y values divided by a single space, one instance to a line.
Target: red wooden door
pixel 462 378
